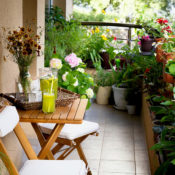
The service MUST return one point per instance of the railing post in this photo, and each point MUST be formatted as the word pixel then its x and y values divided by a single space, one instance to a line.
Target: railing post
pixel 129 37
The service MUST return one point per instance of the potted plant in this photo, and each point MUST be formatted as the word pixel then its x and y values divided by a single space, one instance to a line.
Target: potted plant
pixel 104 81
pixel 133 93
pixel 169 48
pixel 169 71
pixel 120 88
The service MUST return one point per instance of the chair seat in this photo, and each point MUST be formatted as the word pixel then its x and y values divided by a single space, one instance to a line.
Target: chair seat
pixel 72 131
pixel 53 167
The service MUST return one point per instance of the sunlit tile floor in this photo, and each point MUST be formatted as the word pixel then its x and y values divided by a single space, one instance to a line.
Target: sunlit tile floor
pixel 119 149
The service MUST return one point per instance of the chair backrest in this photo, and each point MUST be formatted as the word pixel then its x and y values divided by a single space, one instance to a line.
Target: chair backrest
pixel 9 118
pixel 9 121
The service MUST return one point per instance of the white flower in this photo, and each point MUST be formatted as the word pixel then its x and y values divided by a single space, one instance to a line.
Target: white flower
pixel 80 60
pixel 76 83
pixel 64 76
pixel 166 35
pixel 80 70
pixel 89 93
pixel 56 63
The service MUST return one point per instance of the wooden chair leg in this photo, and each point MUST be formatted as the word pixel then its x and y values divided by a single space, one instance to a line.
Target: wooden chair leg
pixel 83 157
pixel 57 148
pixel 65 153
pixel 6 160
pixel 50 141
pixel 42 140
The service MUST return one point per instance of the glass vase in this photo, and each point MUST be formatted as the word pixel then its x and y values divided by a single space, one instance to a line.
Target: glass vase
pixel 24 78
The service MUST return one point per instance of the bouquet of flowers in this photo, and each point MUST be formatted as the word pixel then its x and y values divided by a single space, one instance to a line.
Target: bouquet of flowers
pixel 72 75
pixel 23 44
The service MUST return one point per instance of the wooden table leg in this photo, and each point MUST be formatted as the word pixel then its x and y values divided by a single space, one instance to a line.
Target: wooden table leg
pixel 42 139
pixel 50 141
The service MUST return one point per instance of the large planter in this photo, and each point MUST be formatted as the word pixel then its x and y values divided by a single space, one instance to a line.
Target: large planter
pixel 146 45
pixel 150 136
pixel 105 60
pixel 103 95
pixel 119 97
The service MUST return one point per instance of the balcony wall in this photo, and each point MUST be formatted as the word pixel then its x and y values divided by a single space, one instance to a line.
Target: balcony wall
pixel 15 13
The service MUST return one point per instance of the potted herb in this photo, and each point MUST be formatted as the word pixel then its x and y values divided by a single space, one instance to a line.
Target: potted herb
pixel 120 88
pixel 104 81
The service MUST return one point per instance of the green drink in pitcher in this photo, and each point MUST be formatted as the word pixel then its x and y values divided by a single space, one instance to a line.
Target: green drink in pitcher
pixel 46 84
pixel 48 102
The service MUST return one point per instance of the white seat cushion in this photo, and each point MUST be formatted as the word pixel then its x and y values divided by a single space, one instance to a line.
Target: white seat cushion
pixel 53 167
pixel 8 120
pixel 72 131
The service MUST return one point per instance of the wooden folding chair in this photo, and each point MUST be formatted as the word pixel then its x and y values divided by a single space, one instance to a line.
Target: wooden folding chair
pixel 72 136
pixel 9 121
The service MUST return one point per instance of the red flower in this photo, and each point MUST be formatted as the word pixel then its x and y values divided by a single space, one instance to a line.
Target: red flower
pixel 162 21
pixel 147 70
pixel 115 38
pixel 168 29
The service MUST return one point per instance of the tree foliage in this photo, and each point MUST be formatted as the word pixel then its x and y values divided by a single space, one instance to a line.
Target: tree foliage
pixel 129 8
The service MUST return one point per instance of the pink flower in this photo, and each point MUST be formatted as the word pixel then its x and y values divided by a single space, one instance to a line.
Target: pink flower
pixel 146 37
pixel 139 43
pixel 72 60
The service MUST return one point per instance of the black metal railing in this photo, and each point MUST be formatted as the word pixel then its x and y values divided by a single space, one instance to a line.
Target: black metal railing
pixel 129 26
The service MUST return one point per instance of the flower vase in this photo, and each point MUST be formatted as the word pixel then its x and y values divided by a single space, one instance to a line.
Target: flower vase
pixel 24 79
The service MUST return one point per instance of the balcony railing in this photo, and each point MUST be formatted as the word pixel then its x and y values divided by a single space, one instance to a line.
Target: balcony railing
pixel 129 26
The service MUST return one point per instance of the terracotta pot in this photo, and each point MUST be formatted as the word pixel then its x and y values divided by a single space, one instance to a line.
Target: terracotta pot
pixel 146 45
pixel 159 54
pixel 105 60
pixel 168 78
pixel 170 55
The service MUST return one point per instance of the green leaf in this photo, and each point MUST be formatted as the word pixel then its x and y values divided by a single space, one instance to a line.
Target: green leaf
pixel 167 103
pixel 173 161
pixel 172 69
pixel 158 109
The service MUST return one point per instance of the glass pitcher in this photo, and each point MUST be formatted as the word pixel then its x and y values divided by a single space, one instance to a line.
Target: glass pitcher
pixel 49 80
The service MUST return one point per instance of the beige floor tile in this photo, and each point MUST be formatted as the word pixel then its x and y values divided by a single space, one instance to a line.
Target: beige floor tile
pixel 141 155
pixel 94 164
pixel 118 144
pixel 117 166
pixel 116 173
pixel 140 145
pixel 142 167
pixel 117 154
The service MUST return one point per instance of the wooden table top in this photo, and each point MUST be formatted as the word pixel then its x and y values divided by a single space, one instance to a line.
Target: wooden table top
pixel 72 114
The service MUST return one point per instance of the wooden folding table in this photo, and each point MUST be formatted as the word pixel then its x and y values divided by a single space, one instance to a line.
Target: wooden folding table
pixel 72 114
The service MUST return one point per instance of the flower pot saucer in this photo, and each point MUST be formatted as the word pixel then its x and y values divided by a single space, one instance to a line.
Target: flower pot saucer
pixel 147 53
pixel 119 108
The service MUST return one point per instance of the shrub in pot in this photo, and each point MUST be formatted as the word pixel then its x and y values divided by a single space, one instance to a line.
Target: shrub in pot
pixel 104 81
pixel 133 94
pixel 120 86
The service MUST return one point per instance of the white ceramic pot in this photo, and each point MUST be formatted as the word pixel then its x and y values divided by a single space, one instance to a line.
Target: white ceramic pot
pixel 119 97
pixel 131 109
pixel 103 95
